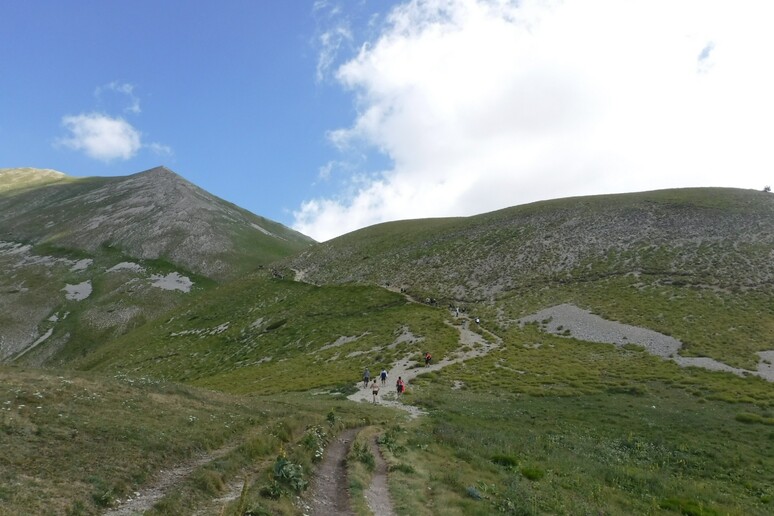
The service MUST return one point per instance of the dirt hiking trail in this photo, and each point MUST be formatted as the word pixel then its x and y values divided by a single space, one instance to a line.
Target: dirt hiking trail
pixel 144 499
pixel 378 495
pixel 472 345
pixel 329 489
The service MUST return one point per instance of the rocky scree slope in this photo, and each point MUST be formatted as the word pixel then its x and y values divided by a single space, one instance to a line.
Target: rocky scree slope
pixel 704 236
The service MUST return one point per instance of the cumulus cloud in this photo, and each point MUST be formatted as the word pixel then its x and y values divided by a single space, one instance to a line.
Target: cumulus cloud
pixel 483 104
pixel 104 137
pixel 100 136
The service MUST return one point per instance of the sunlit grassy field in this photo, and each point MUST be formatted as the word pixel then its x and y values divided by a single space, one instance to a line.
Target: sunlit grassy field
pixel 543 424
pixel 578 428
pixel 255 371
pixel 269 336
pixel 76 443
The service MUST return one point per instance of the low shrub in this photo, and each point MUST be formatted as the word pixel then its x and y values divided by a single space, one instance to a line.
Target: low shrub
pixel 474 493
pixel 363 455
pixel 403 468
pixel 287 477
pixel 275 325
pixel 507 461
pixel 687 507
pixel 749 417
pixel 532 473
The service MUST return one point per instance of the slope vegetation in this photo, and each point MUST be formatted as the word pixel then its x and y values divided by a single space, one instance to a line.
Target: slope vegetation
pixel 558 417
pixel 154 214
pixel 704 236
pixel 83 260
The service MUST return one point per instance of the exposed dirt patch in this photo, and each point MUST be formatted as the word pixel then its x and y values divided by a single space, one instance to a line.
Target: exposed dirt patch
pixel 329 490
pixel 377 495
pixel 472 345
pixel 583 325
pixel 167 480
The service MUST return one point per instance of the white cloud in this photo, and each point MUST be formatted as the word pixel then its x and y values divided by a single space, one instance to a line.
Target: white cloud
pixel 101 136
pixel 332 37
pixel 160 149
pixel 330 43
pixel 125 90
pixel 483 104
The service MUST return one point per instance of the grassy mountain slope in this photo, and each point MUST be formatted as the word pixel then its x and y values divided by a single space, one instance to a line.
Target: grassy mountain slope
pixel 692 263
pixel 26 178
pixel 127 248
pixel 78 443
pixel 544 423
pixel 155 214
pixel 265 335
pixel 718 237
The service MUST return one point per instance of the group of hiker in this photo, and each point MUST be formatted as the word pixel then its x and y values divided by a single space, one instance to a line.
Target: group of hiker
pixel 400 384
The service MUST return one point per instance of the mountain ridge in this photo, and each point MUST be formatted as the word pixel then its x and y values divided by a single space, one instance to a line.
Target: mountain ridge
pixel 478 257
pixel 86 259
pixel 584 409
pixel 149 215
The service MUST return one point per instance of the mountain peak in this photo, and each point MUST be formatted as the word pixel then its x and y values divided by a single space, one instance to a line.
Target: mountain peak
pixel 161 170
pixel 155 214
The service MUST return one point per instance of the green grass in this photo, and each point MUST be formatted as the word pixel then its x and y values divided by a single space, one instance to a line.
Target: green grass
pixel 270 336
pixel 79 443
pixel 544 424
pixel 730 326
pixel 74 440
pixel 360 467
pixel 611 453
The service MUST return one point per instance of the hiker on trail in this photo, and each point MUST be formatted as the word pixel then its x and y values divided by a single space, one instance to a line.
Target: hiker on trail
pixel 383 376
pixel 400 386
pixel 428 358
pixel 374 390
pixel 366 377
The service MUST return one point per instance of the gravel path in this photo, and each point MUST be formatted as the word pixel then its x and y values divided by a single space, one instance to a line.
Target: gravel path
pixel 329 490
pixel 583 325
pixel 408 369
pixel 378 495
pixel 144 499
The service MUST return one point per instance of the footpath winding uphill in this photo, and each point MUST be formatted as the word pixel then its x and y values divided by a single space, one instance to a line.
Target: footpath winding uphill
pixel 329 490
pixel 408 369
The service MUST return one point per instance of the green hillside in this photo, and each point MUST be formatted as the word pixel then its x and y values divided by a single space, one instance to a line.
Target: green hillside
pixel 265 335
pixel 84 260
pixel 702 236
pixel 79 443
pixel 538 420
pixel 151 215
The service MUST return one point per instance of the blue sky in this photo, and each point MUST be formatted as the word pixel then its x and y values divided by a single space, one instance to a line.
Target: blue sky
pixel 331 115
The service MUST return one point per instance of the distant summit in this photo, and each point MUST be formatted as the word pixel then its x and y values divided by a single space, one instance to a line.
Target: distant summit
pixel 155 214
pixel 83 260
